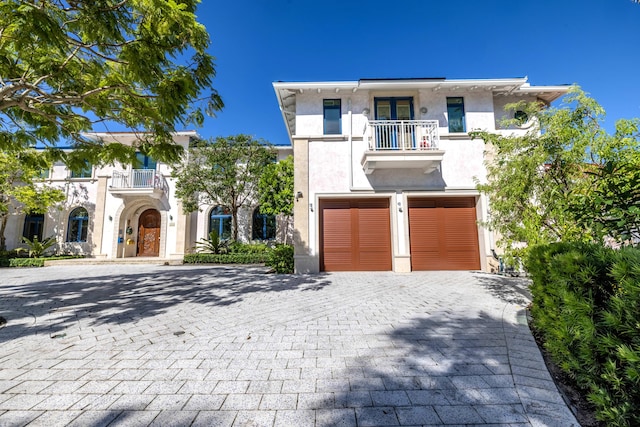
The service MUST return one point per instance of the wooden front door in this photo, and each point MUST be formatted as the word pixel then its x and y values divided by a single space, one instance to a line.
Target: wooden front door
pixel 149 233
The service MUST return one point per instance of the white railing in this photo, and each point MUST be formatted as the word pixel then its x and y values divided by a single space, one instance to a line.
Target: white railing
pixel 403 135
pixel 139 178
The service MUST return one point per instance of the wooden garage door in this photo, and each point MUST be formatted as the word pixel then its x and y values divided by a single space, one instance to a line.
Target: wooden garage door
pixel 444 234
pixel 355 235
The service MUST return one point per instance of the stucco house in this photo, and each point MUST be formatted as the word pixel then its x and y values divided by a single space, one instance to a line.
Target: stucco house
pixel 127 211
pixel 386 172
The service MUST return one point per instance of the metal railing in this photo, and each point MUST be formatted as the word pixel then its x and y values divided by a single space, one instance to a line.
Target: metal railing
pixel 403 135
pixel 139 178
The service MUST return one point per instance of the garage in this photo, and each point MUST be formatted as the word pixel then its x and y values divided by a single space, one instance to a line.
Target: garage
pixel 355 235
pixel 443 234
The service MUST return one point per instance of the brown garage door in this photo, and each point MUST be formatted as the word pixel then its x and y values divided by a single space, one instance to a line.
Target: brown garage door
pixel 444 234
pixel 355 235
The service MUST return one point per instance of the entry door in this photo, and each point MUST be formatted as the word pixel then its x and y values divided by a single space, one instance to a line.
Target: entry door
pixel 395 135
pixel 149 233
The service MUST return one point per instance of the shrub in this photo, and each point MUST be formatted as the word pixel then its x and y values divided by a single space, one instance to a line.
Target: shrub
pixel 585 305
pixel 212 244
pixel 36 247
pixel 237 258
pixel 281 259
pixel 26 262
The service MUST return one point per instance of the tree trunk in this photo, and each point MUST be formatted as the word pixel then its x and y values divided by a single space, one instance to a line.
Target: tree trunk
pixel 3 227
pixel 234 221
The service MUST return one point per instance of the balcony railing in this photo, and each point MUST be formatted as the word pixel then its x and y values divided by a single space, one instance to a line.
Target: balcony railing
pixel 403 135
pixel 143 179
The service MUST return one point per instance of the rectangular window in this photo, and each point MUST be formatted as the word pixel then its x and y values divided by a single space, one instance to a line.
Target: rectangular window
pixel 144 162
pixel 455 111
pixel 85 172
pixel 332 116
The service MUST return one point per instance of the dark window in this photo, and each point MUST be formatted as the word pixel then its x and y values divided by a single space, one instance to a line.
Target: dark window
pixel 78 225
pixel 33 226
pixel 521 117
pixel 144 162
pixel 264 226
pixel 85 172
pixel 332 117
pixel 455 111
pixel 220 221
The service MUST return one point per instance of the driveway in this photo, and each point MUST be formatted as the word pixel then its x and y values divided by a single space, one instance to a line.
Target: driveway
pixel 138 345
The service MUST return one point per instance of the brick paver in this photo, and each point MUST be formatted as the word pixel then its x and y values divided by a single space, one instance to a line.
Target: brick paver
pixel 125 345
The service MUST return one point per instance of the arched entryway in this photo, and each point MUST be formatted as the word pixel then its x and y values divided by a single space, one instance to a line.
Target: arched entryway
pixel 149 233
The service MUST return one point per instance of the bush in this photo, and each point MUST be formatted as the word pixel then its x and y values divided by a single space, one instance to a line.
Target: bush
pixel 236 258
pixel 26 262
pixel 281 259
pixel 585 306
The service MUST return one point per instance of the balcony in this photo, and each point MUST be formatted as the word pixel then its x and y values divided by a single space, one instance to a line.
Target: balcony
pixel 139 182
pixel 402 144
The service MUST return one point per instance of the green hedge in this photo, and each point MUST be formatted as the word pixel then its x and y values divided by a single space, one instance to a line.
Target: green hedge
pixel 235 258
pixel 26 262
pixel 586 306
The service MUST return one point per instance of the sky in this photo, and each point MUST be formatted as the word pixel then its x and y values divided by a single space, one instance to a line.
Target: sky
pixel 592 43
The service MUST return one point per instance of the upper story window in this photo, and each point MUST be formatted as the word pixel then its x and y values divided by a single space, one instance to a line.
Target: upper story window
pixel 332 116
pixel 394 108
pixel 455 112
pixel 144 162
pixel 84 172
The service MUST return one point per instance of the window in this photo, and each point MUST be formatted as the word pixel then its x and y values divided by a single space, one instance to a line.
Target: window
pixel 332 117
pixel 144 162
pixel 455 111
pixel 33 226
pixel 44 173
pixel 78 225
pixel 264 226
pixel 521 117
pixel 220 221
pixel 85 172
pixel 394 108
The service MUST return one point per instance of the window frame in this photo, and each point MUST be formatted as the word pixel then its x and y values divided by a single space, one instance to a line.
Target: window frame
pixel 264 224
pixel 84 173
pixel 450 109
pixel 328 124
pixel 81 230
pixel 224 216
pixel 38 220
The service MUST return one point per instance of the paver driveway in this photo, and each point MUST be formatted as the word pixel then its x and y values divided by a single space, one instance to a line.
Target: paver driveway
pixel 221 346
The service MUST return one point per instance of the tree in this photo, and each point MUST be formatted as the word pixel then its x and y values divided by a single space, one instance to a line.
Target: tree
pixel 225 172
pixel 21 188
pixel 546 185
pixel 67 65
pixel 275 190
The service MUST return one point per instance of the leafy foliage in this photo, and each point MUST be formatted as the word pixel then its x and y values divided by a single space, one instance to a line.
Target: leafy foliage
pixel 281 259
pixel 68 65
pixel 224 172
pixel 212 244
pixel 21 189
pixel 234 258
pixel 275 190
pixel 565 179
pixel 36 247
pixel 585 304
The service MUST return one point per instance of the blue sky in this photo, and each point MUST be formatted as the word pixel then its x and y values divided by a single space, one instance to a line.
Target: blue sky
pixel 594 43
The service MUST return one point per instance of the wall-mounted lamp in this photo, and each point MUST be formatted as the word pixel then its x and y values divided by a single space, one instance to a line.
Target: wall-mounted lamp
pixel 170 217
pixel 110 218
pixel 423 110
pixel 298 195
pixel 311 207
pixel 399 206
pixel 366 112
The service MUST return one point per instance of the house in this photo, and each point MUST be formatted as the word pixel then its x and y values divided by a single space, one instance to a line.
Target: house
pixel 127 211
pixel 386 172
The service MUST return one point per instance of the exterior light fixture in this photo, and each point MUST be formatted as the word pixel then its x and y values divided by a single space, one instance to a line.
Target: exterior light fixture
pixel 298 195
pixel 365 112
pixel 423 110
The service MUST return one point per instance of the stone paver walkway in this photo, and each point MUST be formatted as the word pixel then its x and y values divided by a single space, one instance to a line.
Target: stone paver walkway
pixel 131 345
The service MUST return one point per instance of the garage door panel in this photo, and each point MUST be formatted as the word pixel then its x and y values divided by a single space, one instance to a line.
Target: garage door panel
pixel 355 235
pixel 443 234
